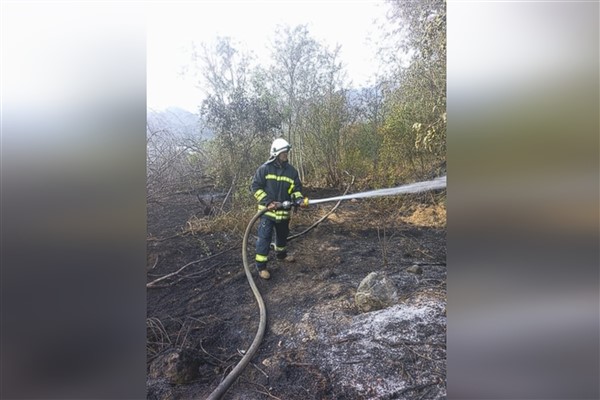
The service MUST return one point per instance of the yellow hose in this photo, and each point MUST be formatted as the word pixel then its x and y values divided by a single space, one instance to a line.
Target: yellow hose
pixel 239 368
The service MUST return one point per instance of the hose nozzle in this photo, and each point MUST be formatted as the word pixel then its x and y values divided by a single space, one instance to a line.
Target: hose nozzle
pixel 286 205
pixel 303 203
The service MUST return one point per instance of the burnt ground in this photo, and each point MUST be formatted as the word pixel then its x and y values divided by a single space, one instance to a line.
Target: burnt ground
pixel 317 344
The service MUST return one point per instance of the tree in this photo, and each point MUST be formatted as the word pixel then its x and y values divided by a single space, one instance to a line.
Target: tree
pixel 309 78
pixel 240 109
pixel 425 79
pixel 415 120
pixel 294 75
pixel 174 164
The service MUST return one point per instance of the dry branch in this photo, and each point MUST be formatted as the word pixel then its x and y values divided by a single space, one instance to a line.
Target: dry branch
pixel 153 239
pixel 228 193
pixel 154 282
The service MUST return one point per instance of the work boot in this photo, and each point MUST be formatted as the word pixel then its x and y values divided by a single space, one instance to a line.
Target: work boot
pixel 263 273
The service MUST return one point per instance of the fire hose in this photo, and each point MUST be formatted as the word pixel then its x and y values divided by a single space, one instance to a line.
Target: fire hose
pixel 241 365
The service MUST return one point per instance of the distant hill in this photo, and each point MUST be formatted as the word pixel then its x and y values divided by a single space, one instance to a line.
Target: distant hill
pixel 179 122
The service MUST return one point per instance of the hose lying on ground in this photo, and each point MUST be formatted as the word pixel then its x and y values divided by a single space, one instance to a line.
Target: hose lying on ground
pixel 239 368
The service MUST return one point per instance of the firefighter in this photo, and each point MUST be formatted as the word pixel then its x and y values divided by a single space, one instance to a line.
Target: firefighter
pixel 275 181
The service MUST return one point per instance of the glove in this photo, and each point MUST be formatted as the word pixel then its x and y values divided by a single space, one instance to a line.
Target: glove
pixel 272 205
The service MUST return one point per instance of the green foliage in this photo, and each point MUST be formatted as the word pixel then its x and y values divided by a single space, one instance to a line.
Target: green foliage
pixel 422 89
pixel 325 121
pixel 242 196
pixel 360 146
pixel 412 132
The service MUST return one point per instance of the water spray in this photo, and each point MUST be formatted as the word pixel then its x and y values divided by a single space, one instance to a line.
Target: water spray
pixel 437 183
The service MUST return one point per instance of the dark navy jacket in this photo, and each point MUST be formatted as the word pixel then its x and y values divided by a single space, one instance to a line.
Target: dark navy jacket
pixel 275 182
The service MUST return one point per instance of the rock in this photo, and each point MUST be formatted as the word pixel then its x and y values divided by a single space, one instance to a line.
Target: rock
pixel 176 366
pixel 375 292
pixel 415 269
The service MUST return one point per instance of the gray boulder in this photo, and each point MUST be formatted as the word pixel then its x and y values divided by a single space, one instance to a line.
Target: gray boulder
pixel 375 292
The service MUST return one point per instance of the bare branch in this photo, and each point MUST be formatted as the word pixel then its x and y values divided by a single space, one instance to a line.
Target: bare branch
pixel 154 282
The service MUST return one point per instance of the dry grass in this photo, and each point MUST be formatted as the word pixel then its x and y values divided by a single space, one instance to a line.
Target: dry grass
pixel 363 214
pixel 433 216
pixel 417 214
pixel 157 336
pixel 233 221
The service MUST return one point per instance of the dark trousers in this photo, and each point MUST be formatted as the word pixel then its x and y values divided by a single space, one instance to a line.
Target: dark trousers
pixel 265 234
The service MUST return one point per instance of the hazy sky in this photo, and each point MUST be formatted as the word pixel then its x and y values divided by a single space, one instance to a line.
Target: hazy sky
pixel 172 28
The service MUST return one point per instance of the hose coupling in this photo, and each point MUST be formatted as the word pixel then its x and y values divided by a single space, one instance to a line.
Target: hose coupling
pixel 286 205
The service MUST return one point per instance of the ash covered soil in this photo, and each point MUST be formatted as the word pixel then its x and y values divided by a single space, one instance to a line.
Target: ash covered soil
pixel 317 344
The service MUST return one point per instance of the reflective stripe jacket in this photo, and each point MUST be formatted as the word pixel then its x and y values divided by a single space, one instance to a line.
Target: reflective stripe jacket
pixel 275 182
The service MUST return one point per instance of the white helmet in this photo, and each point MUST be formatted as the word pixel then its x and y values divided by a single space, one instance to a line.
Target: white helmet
pixel 279 146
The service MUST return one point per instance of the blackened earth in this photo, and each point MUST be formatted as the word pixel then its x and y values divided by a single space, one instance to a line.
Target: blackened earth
pixel 317 344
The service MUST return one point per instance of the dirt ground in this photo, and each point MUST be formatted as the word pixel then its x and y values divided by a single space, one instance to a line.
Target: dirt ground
pixel 207 314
